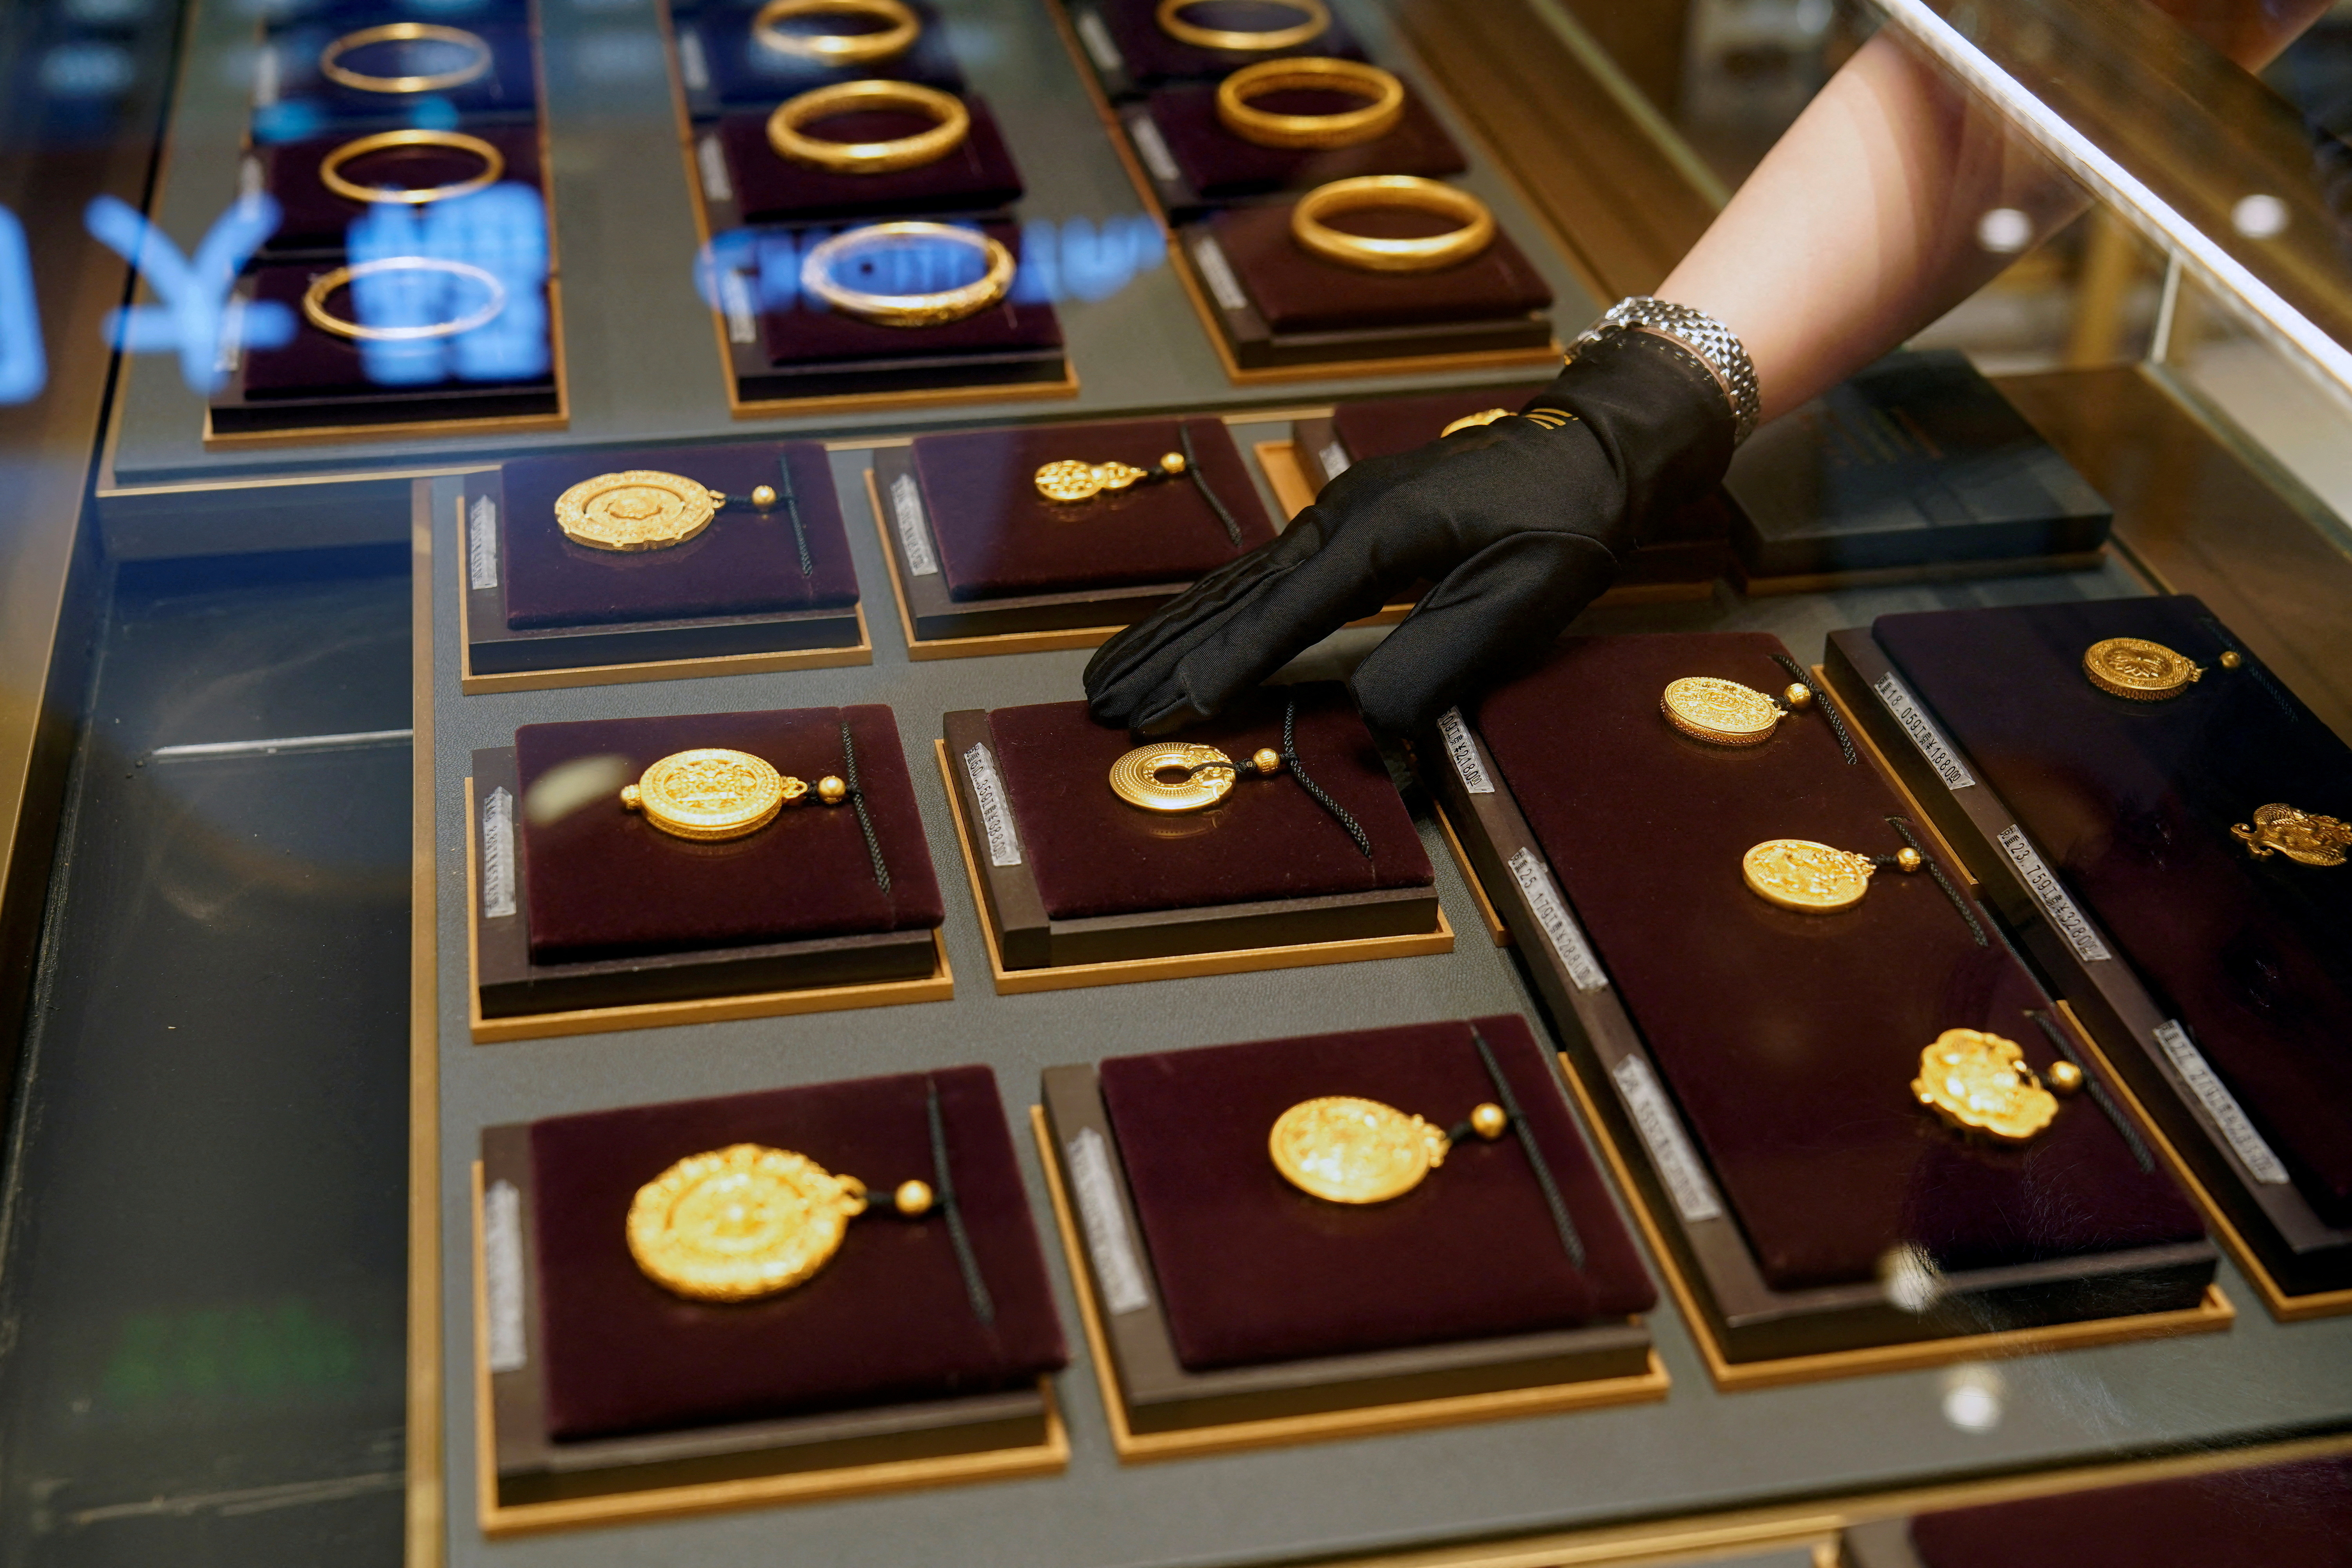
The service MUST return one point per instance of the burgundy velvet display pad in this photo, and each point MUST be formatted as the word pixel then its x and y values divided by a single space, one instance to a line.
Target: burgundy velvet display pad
pixel 977 176
pixel 510 86
pixel 1214 165
pixel 744 562
pixel 317 219
pixel 2294 1515
pixel 1788 1040
pixel 604 882
pixel 887 1320
pixel 1298 292
pixel 1251 1270
pixel 738 71
pixel 997 537
pixel 2133 803
pixel 1094 854
pixel 1148 56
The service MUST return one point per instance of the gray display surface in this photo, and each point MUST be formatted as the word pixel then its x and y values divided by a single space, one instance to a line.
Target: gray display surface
pixel 1698 1451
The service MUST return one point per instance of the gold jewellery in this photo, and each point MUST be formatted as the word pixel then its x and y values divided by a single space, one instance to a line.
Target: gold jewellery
pixel 2145 671
pixel 1073 479
pixel 1171 17
pixel 1816 879
pixel 929 309
pixel 712 793
pixel 2306 837
pixel 1382 93
pixel 838 48
pixel 747 1221
pixel 330 167
pixel 314 300
pixel 952 124
pixel 1427 254
pixel 331 68
pixel 1726 713
pixel 1201 776
pixel 1978 1082
pixel 1349 1151
pixel 644 509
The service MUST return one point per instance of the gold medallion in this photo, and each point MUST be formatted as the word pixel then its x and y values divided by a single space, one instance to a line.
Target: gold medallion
pixel 2306 837
pixel 1979 1083
pixel 1350 1151
pixel 1072 480
pixel 1205 775
pixel 711 793
pixel 639 509
pixel 2142 670
pixel 741 1222
pixel 1720 713
pixel 1799 874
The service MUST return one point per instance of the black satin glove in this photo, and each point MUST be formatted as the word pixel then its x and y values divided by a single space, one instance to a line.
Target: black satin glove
pixel 1519 523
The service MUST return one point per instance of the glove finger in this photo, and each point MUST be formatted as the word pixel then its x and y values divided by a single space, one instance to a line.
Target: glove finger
pixel 1129 663
pixel 1499 609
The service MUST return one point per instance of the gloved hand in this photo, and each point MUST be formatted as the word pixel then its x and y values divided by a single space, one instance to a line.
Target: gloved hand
pixel 1520 524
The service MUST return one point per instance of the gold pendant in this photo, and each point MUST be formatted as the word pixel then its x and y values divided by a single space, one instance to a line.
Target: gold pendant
pixel 1349 1151
pixel 1799 874
pixel 640 508
pixel 2142 670
pixel 1979 1083
pixel 1072 480
pixel 712 793
pixel 747 1221
pixel 1720 713
pixel 1139 777
pixel 2306 837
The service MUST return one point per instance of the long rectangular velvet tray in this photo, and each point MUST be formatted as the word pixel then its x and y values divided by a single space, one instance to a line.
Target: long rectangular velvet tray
pixel 1765 1062
pixel 2099 824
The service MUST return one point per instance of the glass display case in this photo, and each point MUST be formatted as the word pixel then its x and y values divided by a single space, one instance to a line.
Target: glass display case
pixel 632 487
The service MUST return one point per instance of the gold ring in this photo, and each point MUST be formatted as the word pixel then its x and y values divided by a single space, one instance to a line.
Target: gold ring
pixel 838 48
pixel 314 301
pixel 1368 255
pixel 1172 22
pixel 330 167
pixel 404 33
pixel 1379 116
pixel 785 136
pixel 924 310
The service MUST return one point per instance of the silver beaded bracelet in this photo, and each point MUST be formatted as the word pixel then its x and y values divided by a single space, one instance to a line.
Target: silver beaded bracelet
pixel 1716 346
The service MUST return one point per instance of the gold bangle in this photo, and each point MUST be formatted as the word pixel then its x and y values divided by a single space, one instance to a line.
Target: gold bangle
pixel 330 167
pixel 784 133
pixel 405 33
pixel 837 48
pixel 925 310
pixel 1346 128
pixel 1172 22
pixel 1368 255
pixel 314 301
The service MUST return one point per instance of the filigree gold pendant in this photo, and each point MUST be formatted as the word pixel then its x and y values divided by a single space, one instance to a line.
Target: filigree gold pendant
pixel 747 1221
pixel 1073 479
pixel 1345 1150
pixel 2306 837
pixel 712 793
pixel 1799 874
pixel 640 508
pixel 1978 1082
pixel 2142 670
pixel 1720 713
pixel 1182 775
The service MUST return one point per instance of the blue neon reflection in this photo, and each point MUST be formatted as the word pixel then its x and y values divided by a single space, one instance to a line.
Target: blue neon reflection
pixel 1074 259
pixel 24 367
pixel 194 320
pixel 502 230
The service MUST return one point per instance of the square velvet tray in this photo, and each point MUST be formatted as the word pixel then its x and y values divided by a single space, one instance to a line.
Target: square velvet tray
pixel 1222 1303
pixel 2219 986
pixel 316 219
pixel 1749 1058
pixel 1071 877
pixel 1130 53
pixel 723 67
pixel 755 184
pixel 975 552
pixel 535 601
pixel 1194 161
pixel 602 1385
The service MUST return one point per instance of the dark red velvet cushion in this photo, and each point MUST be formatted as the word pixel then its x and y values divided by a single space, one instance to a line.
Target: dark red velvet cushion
pixel 805 332
pixel 744 71
pixel 2274 1516
pixel 1151 55
pixel 1790 1040
pixel 1251 1270
pixel 603 883
pixel 744 564
pixel 2134 801
pixel 998 536
pixel 321 365
pixel 1094 854
pixel 316 217
pixel 977 176
pixel 1296 292
pixel 887 1320
pixel 1219 165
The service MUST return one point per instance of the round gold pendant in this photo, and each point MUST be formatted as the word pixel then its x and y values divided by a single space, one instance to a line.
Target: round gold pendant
pixel 1352 1151
pixel 2142 670
pixel 1979 1083
pixel 2307 838
pixel 1720 713
pixel 711 793
pixel 1208 776
pixel 743 1222
pixel 1799 874
pixel 639 509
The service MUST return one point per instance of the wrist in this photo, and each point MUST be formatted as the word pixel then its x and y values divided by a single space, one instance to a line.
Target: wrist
pixel 1714 347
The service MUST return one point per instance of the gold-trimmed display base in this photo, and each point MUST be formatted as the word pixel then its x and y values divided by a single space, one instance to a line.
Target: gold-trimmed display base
pixel 1049 1458
pixel 937 987
pixel 862 402
pixel 1867 744
pixel 1176 966
pixel 1495 928
pixel 1134 1448
pixel 2212 1314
